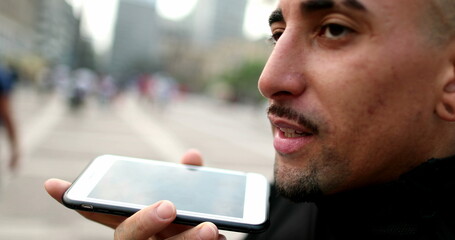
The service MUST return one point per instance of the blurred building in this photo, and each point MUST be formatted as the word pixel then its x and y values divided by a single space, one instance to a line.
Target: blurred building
pixel 37 32
pixel 17 26
pixel 136 38
pixel 214 21
pixel 58 31
pixel 194 50
pixel 217 27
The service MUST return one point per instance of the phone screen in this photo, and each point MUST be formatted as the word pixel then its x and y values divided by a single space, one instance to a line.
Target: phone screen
pixel 145 184
pixel 233 200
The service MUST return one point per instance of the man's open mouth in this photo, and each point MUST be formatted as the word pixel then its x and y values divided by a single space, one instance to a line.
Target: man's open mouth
pixel 292 133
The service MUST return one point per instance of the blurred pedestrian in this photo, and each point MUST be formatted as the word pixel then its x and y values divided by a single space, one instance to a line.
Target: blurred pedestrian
pixel 8 77
pixel 164 90
pixel 80 87
pixel 107 89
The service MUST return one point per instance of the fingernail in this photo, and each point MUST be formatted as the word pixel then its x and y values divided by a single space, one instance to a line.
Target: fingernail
pixel 165 210
pixel 207 232
pixel 450 87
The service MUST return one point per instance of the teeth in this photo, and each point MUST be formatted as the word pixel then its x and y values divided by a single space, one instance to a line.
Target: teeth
pixel 291 133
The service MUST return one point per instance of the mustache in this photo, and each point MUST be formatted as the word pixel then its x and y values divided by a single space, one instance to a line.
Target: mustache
pixel 291 114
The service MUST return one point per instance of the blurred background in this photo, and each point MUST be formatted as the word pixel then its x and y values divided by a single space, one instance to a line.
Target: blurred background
pixel 141 78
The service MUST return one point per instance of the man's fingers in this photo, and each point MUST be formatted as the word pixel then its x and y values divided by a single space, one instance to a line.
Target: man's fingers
pixel 108 220
pixel 56 188
pixel 147 223
pixel 152 222
pixel 192 157
pixel 204 231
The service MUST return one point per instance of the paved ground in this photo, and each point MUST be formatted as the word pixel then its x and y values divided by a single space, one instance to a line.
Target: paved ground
pixel 57 142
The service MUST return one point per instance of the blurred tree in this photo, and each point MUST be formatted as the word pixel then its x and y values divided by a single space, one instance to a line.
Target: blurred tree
pixel 84 56
pixel 243 81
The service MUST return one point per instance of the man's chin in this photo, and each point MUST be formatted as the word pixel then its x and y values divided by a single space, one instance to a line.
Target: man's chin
pixel 296 185
pixel 299 195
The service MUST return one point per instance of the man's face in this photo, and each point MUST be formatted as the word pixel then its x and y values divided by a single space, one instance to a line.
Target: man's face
pixel 351 89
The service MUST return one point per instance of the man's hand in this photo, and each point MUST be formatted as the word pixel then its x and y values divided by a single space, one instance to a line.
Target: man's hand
pixel 56 188
pixel 153 222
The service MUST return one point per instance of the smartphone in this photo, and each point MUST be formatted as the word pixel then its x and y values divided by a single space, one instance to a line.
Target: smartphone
pixel 233 200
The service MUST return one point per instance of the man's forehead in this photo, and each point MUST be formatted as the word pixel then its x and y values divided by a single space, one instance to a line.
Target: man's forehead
pixel 324 4
pixel 311 6
pixel 359 4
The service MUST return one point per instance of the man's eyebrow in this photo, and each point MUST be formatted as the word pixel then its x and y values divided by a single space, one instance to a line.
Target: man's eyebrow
pixel 317 5
pixel 355 4
pixel 276 16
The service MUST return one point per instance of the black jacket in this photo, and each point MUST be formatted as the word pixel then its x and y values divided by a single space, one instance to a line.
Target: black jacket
pixel 419 205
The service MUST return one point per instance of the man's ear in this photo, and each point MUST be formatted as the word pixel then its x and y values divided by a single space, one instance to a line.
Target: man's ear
pixel 445 107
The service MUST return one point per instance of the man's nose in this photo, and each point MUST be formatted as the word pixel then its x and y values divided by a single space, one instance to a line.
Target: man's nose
pixel 283 76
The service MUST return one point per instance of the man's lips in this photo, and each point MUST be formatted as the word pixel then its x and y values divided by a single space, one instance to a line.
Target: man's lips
pixel 289 127
pixel 289 137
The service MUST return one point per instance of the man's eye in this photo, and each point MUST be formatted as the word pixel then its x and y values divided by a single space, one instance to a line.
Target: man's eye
pixel 334 31
pixel 275 36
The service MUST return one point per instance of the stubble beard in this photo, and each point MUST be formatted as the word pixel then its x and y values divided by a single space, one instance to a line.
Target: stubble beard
pixel 321 176
pixel 297 185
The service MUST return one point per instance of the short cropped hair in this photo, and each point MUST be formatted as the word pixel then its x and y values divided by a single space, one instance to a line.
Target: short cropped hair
pixel 441 14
